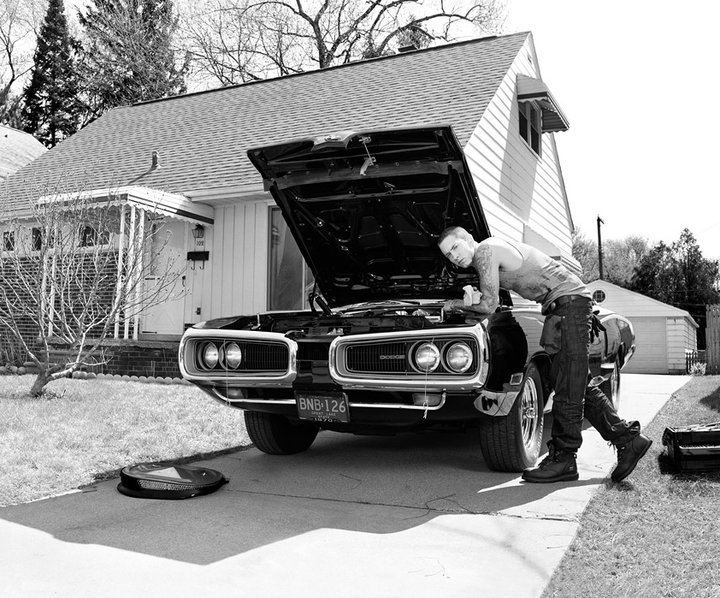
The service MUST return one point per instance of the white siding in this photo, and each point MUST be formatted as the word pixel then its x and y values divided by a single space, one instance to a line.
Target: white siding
pixel 236 279
pixel 681 336
pixel 523 195
pixel 651 347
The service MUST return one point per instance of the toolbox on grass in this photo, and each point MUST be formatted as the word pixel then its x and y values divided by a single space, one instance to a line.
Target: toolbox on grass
pixel 694 448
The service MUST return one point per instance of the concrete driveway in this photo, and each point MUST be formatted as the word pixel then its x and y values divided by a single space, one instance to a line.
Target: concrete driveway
pixel 411 515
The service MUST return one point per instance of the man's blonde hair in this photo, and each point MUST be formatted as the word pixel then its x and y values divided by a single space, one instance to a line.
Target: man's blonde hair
pixel 455 231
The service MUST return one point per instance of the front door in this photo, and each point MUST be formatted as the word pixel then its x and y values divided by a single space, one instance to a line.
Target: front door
pixel 167 318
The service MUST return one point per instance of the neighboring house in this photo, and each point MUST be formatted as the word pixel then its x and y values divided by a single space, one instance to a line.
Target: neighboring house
pixel 184 159
pixel 17 149
pixel 663 333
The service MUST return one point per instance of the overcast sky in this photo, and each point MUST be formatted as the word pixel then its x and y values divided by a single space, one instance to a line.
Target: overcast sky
pixel 638 81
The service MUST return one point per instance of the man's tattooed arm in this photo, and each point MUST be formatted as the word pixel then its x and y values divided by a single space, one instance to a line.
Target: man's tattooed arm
pixel 488 268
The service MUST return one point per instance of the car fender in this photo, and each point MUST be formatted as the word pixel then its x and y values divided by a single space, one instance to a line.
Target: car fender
pixel 499 403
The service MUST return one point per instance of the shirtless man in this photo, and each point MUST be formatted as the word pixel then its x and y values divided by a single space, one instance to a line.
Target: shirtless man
pixel 567 305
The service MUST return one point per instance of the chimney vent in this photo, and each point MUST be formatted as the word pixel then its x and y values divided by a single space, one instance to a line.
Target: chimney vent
pixel 408 48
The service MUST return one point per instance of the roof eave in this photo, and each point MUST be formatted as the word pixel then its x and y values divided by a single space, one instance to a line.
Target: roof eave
pixel 153 200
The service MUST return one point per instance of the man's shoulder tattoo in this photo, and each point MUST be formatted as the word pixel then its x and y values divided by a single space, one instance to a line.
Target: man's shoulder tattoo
pixel 483 262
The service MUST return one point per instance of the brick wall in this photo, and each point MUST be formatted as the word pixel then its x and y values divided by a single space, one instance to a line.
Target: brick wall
pixel 153 359
pixel 138 358
pixel 142 358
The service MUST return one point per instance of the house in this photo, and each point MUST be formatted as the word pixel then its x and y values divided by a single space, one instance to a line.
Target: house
pixel 663 333
pixel 17 149
pixel 184 159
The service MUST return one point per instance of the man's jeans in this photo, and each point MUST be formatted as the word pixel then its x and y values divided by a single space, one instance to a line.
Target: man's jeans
pixel 570 375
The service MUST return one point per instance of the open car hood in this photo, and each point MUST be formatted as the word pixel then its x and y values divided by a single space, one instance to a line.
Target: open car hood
pixel 366 210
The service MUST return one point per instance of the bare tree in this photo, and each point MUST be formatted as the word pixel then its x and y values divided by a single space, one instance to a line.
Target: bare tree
pixel 75 273
pixel 620 257
pixel 235 41
pixel 19 23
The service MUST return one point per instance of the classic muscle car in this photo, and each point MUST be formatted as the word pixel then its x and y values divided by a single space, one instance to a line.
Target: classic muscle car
pixel 376 353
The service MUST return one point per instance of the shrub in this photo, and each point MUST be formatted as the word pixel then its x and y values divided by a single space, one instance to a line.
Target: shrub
pixel 697 369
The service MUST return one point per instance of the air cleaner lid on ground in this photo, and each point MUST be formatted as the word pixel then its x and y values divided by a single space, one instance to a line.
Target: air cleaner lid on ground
pixel 152 480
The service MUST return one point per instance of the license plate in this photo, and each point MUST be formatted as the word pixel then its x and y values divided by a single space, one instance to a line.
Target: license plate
pixel 323 406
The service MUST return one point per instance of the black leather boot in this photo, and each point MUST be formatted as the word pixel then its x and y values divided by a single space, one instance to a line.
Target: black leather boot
pixel 558 466
pixel 628 455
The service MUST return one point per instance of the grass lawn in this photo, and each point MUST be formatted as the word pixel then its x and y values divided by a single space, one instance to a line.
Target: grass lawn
pixel 90 429
pixel 658 533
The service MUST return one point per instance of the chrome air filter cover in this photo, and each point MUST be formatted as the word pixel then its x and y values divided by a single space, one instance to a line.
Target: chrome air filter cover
pixel 154 480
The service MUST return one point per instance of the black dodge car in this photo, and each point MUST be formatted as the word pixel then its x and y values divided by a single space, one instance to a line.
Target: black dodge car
pixel 376 353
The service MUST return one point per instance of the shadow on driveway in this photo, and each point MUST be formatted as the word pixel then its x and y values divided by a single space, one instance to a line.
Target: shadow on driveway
pixel 376 485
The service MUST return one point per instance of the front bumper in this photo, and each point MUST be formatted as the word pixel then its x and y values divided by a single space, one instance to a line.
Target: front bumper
pixel 378 396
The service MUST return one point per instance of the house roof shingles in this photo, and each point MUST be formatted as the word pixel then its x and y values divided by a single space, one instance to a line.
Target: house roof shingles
pixel 202 138
pixel 17 149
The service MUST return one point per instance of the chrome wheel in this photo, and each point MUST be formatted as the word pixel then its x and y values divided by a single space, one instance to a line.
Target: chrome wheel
pixel 512 442
pixel 529 413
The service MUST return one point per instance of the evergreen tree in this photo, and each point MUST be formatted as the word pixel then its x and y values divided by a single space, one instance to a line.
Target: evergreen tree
pixel 128 54
pixel 51 109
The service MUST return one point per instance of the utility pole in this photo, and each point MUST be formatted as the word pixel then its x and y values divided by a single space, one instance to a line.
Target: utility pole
pixel 600 264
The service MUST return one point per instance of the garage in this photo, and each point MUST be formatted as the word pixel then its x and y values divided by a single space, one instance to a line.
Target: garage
pixel 650 346
pixel 663 333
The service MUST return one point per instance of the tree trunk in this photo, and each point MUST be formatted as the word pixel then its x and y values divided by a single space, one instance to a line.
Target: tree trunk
pixel 42 380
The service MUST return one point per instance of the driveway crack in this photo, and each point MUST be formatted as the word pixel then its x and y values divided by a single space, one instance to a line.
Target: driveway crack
pixel 425 509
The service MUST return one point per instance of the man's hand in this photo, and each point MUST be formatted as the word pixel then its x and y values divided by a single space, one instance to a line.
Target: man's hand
pixel 458 306
pixel 453 306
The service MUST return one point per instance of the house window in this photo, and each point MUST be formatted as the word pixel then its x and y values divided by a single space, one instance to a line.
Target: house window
pixel 530 124
pixel 89 236
pixel 9 240
pixel 289 279
pixel 599 296
pixel 37 239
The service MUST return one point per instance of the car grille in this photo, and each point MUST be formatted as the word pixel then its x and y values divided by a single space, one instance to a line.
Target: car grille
pixel 257 356
pixel 385 358
pixel 261 356
pixel 391 357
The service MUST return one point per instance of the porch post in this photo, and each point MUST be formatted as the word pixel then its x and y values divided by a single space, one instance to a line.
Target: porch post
pixel 53 275
pixel 139 275
pixel 43 290
pixel 119 286
pixel 131 262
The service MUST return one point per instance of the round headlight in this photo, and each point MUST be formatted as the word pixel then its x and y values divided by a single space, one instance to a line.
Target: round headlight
pixel 459 358
pixel 427 357
pixel 233 355
pixel 210 355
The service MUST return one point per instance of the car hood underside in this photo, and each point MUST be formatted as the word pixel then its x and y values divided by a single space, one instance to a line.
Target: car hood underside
pixel 366 209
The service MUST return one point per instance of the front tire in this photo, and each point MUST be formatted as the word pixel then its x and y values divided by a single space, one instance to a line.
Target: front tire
pixel 278 435
pixel 512 442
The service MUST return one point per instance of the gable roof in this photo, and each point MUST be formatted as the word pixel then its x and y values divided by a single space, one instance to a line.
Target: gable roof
pixel 635 305
pixel 17 148
pixel 201 138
